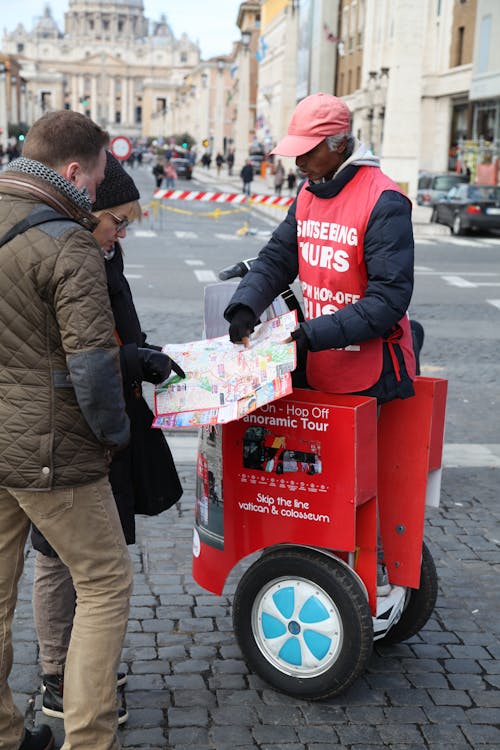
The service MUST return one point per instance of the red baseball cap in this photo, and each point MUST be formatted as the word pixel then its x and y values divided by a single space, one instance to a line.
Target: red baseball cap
pixel 314 119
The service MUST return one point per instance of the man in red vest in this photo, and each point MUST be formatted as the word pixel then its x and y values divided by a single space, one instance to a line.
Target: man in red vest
pixel 348 236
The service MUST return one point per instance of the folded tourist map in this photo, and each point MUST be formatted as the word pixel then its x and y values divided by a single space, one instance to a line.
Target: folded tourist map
pixel 225 381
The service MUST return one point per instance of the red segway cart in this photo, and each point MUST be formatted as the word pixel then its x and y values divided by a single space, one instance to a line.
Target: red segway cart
pixel 299 480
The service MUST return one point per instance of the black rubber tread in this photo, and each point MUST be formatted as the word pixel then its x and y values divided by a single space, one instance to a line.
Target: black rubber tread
pixel 419 605
pixel 343 588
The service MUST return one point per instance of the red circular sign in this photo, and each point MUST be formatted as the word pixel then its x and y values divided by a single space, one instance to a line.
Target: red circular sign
pixel 121 147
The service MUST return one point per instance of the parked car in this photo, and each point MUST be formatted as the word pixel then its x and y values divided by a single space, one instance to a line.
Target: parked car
pixel 434 185
pixel 183 167
pixel 469 207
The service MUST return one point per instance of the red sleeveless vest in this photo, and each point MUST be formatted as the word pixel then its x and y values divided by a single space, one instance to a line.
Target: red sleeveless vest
pixel 330 238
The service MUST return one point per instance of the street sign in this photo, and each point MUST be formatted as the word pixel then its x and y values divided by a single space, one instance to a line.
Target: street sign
pixel 121 147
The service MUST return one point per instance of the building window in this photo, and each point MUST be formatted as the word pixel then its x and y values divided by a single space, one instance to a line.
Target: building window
pixel 184 57
pixel 484 44
pixel 460 45
pixel 161 104
pixel 20 48
pixel 138 115
pixel 358 77
pixel 349 81
pixel 118 117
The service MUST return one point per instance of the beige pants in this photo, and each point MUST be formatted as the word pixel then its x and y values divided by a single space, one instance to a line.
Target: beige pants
pixel 83 526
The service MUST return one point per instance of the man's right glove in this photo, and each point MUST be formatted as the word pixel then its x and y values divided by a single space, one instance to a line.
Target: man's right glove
pixel 156 366
pixel 242 324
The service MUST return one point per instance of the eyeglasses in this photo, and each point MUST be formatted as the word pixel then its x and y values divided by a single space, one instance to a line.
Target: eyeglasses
pixel 120 223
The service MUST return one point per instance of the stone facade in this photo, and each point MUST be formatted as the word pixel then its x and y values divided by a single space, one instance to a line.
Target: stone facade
pixel 111 63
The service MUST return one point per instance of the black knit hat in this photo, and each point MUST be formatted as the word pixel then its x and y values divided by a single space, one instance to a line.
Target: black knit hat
pixel 117 187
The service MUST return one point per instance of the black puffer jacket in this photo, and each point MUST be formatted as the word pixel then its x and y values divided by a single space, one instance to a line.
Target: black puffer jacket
pixel 388 256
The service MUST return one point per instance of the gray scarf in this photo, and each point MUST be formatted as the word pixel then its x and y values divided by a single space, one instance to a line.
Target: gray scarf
pixel 29 166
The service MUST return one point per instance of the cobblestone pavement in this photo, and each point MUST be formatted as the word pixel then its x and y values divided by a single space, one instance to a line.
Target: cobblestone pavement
pixel 189 688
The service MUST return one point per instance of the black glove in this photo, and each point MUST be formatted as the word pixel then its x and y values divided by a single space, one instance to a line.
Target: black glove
pixel 156 366
pixel 242 324
pixel 302 344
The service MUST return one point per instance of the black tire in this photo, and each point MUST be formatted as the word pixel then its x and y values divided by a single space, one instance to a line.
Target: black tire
pixel 434 216
pixel 304 662
pixel 457 227
pixel 419 603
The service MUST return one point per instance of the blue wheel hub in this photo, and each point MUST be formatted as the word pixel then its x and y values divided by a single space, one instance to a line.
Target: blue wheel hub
pixel 297 627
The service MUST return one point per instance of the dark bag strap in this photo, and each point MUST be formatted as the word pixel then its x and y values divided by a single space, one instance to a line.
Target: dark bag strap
pixel 39 215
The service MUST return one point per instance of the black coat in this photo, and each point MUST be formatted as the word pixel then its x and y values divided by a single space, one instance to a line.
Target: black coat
pixel 147 463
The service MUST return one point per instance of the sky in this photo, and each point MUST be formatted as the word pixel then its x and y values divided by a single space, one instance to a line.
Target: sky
pixel 211 23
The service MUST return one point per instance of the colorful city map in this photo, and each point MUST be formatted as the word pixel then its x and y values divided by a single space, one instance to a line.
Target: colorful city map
pixel 225 381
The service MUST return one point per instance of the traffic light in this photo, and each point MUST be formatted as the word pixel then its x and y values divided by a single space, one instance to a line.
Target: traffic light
pixel 21 138
pixel 205 142
pixel 84 100
pixel 184 145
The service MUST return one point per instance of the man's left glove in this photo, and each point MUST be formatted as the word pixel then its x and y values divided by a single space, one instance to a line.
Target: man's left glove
pixel 156 366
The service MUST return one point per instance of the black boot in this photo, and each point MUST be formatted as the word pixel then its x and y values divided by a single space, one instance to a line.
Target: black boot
pixel 40 738
pixel 52 695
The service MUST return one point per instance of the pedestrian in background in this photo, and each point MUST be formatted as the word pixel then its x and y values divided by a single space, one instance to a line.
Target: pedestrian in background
pixel 246 175
pixel 141 475
pixel 230 162
pixel 170 174
pixel 159 174
pixel 279 177
pixel 291 181
pixel 62 420
pixel 219 161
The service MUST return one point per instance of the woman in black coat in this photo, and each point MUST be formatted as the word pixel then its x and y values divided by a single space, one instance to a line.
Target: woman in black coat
pixel 143 477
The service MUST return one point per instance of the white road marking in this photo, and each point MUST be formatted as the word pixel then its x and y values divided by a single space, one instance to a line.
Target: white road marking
pixel 455 455
pixel 144 233
pixel 494 302
pixel 205 274
pixel 459 281
pixel 186 235
pixel 227 237
pixel 194 262
pixel 133 275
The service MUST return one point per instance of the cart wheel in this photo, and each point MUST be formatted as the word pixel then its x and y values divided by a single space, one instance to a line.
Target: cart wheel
pixel 303 623
pixel 419 603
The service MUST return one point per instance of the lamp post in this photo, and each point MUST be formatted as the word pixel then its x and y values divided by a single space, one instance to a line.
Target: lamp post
pixel 219 114
pixel 243 117
pixel 3 107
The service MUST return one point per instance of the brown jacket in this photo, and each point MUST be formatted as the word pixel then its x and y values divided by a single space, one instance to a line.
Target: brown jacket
pixel 61 402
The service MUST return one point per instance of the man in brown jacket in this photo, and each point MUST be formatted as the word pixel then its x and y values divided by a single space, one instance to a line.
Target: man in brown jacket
pixel 61 415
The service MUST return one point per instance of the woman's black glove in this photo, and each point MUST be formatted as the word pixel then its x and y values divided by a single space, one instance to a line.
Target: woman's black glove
pixel 242 324
pixel 156 366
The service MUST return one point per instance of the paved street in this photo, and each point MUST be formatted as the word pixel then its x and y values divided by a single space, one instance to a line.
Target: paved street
pixel 188 685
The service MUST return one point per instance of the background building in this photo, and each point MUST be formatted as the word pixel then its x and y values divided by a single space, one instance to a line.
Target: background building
pixel 110 63
pixel 422 79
